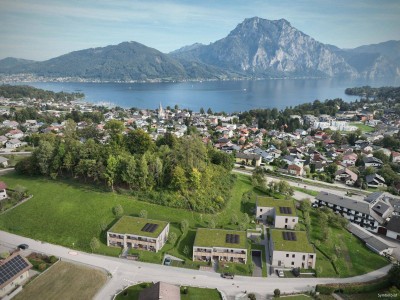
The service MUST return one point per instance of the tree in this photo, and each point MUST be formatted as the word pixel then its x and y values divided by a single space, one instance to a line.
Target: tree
pixel 179 180
pixel 184 225
pixel 202 111
pixel 234 219
pixel 43 155
pixel 277 293
pixel 118 210
pixel 111 171
pixel 94 244
pixel 305 205
pixel 209 111
pixel 252 296
pixel 394 275
pixel 186 250
pixel 138 142
pixel 172 237
pixel 143 214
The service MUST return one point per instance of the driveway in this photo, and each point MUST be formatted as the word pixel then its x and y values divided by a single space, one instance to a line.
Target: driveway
pixel 256 258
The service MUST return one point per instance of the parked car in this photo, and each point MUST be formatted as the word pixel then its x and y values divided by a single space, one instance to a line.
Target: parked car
pixel 228 275
pixel 167 261
pixel 23 246
pixel 280 273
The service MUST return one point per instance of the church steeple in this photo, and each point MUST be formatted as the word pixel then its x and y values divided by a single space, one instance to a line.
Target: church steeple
pixel 161 113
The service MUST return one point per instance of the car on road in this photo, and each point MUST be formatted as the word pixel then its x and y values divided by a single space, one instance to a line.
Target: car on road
pixel 280 273
pixel 23 246
pixel 167 261
pixel 228 275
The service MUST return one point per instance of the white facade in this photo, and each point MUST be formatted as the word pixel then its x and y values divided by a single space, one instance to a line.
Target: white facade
pixel 138 241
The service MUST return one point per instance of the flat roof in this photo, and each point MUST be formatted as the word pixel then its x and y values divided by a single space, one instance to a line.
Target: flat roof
pixel 218 238
pixel 277 203
pixel 133 225
pixel 301 244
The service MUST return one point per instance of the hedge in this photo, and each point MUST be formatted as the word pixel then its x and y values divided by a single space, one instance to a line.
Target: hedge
pixel 354 288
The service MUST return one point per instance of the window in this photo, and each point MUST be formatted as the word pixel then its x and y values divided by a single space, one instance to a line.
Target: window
pixel 311 256
pixel 294 220
pixel 293 255
pixel 304 257
pixel 292 263
pixel 286 220
pixel 260 217
pixel 287 255
pixel 261 209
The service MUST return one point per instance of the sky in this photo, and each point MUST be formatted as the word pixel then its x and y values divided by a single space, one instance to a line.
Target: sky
pixel 43 29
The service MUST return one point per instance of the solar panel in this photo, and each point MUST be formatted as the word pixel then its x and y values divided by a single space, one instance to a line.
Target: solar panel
pixel 232 238
pixel 289 236
pixel 285 210
pixel 149 227
pixel 12 268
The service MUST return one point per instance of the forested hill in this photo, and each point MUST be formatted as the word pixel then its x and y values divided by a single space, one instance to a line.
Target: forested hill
pixel 387 92
pixel 182 173
pixel 16 92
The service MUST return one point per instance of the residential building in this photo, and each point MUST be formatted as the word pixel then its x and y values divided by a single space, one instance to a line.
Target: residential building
pixel 248 158
pixel 291 249
pixel 372 162
pixel 281 212
pixel 3 190
pixel 296 170
pixel 347 176
pixel 367 215
pixel 161 290
pixel 373 242
pixel 221 245
pixel 14 143
pixel 393 228
pixel 375 180
pixel 14 270
pixel 138 233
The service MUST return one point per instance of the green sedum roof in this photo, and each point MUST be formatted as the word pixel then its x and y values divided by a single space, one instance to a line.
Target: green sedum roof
pixel 217 238
pixel 132 225
pixel 300 245
pixel 271 202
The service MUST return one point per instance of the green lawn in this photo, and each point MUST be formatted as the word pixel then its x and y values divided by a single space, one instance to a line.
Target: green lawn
pixel 70 214
pixel 132 293
pixel 306 191
pixel 296 297
pixel 353 258
pixel 364 128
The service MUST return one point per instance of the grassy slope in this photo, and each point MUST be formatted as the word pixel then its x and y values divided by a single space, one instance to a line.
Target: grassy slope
pixel 70 214
pixel 353 259
pixel 64 281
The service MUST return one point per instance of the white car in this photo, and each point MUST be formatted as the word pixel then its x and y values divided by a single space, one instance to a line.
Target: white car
pixel 280 273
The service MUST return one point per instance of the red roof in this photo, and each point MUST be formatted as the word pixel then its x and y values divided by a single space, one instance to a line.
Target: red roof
pixel 3 186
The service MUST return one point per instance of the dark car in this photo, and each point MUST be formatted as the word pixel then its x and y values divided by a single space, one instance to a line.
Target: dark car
pixel 23 246
pixel 227 275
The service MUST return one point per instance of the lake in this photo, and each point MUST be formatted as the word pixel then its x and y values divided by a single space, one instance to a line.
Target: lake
pixel 228 96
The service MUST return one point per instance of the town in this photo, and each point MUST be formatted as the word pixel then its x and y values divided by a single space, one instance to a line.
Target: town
pixel 336 170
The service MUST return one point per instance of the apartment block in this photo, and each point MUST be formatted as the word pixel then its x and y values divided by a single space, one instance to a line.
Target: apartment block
pixel 291 249
pixel 221 245
pixel 281 212
pixel 138 233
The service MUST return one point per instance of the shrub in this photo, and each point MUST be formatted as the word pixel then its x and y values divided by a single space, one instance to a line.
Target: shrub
pixel 42 267
pixel 52 259
pixel 277 293
pixel 251 296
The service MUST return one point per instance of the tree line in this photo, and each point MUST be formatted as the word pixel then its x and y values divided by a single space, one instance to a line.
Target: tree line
pixel 182 173
pixel 17 92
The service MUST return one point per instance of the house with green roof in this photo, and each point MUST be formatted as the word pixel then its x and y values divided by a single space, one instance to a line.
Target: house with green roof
pixel 138 233
pixel 291 249
pixel 221 245
pixel 281 212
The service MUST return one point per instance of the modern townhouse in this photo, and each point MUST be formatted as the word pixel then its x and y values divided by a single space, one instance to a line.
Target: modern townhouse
pixel 370 216
pixel 291 249
pixel 281 212
pixel 139 233
pixel 221 245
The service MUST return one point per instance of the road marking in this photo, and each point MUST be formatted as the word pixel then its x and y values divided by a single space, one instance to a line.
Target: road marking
pixel 73 253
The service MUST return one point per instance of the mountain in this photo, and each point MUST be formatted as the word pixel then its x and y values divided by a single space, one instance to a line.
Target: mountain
pixel 123 62
pixel 255 48
pixel 376 60
pixel 260 47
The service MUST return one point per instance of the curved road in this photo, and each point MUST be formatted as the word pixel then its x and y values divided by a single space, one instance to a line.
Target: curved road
pixel 125 272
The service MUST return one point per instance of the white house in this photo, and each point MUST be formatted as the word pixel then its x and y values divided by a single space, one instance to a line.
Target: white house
pixel 3 190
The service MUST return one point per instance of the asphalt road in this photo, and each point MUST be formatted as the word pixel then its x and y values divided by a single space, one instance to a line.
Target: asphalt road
pixel 124 273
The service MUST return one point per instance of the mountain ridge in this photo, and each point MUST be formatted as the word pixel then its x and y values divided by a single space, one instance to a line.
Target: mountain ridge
pixel 255 48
